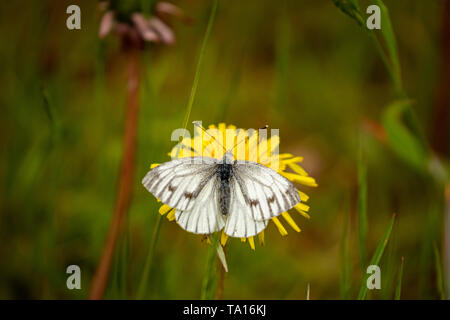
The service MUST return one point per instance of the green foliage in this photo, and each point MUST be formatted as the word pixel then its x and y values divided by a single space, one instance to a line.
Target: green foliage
pixel 404 142
pixel 376 258
pixel 440 283
pixel 351 8
pixel 385 43
pixel 392 61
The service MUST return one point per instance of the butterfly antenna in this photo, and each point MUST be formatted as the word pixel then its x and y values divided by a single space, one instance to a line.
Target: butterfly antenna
pixel 265 127
pixel 197 125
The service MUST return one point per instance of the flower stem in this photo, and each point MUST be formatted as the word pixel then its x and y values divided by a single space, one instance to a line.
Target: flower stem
pixel 143 288
pixel 210 279
pixel 124 192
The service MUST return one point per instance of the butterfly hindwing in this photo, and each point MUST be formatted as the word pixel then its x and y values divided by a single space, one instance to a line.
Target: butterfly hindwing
pixel 203 217
pixel 267 193
pixel 240 223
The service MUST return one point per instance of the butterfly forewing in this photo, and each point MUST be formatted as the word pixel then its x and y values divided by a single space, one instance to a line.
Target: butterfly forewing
pixel 178 183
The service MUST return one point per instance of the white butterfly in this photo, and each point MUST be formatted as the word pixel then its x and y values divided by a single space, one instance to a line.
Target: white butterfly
pixel 210 194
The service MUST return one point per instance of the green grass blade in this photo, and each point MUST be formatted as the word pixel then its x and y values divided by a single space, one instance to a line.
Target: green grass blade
pixel 345 258
pixel 376 257
pixel 124 260
pixel 386 46
pixel 144 283
pixel 351 9
pixel 391 45
pixel 398 288
pixel 210 279
pixel 439 274
pixel 199 63
pixel 362 207
pixel 52 114
pixel 405 143
pixel 390 264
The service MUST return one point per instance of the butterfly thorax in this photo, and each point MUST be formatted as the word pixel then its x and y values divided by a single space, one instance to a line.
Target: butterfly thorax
pixel 225 171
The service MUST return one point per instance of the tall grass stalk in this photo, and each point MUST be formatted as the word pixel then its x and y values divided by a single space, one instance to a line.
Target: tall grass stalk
pixel 210 279
pixel 398 288
pixel 209 28
pixel 143 285
pixel 345 257
pixel 376 258
pixel 388 284
pixel 391 59
pixel 363 224
pixel 385 45
pixel 439 274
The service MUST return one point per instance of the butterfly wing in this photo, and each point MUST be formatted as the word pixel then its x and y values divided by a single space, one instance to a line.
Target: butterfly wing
pixel 240 223
pixel 267 193
pixel 204 216
pixel 178 183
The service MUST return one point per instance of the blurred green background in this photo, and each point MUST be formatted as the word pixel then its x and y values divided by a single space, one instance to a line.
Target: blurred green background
pixel 301 66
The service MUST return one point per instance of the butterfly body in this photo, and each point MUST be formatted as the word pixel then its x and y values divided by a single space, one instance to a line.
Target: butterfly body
pixel 225 172
pixel 210 194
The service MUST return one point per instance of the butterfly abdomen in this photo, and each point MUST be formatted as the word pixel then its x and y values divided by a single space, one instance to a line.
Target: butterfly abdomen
pixel 224 172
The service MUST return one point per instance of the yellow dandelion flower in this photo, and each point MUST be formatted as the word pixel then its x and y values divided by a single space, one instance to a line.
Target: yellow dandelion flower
pixel 247 145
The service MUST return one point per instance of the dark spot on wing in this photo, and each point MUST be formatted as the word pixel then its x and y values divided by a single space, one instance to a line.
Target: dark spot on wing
pixel 172 188
pixel 269 201
pixel 254 203
pixel 188 195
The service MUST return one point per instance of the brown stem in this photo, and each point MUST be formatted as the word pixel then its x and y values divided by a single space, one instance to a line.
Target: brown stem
pixel 126 180
pixel 440 128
